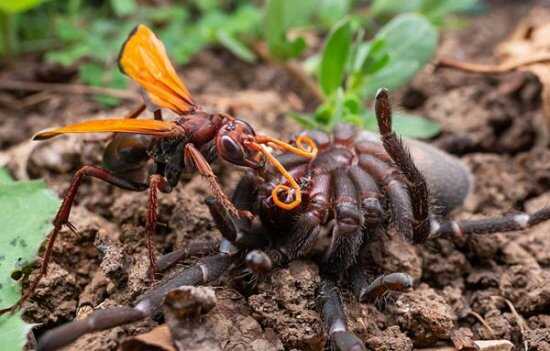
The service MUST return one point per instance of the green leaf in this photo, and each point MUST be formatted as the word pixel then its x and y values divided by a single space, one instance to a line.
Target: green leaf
pixel 438 9
pixel 305 120
pixel 26 210
pixel 407 125
pixel 331 11
pixel 207 5
pixel 391 7
pixel 123 7
pixel 410 41
pixel 13 331
pixel 311 64
pixel 377 57
pixel 392 76
pixel 435 10
pixel 281 15
pixel 18 6
pixel 335 57
pixel 69 56
pixel 236 47
pixel 5 177
pixel 91 73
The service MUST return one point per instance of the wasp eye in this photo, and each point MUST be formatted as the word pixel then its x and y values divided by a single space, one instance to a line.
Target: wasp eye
pixel 232 151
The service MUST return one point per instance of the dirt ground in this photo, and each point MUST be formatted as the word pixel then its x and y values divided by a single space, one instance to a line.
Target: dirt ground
pixel 490 287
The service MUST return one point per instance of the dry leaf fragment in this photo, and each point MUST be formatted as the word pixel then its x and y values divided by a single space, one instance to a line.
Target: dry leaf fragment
pixel 494 345
pixel 481 345
pixel 462 339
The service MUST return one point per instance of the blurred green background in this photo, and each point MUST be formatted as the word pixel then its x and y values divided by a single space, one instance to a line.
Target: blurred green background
pixel 364 44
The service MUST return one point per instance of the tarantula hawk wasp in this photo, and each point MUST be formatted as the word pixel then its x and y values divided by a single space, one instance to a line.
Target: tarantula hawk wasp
pixel 190 142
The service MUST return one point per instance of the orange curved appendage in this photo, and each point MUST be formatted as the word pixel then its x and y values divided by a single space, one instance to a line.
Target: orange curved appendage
pixel 135 126
pixel 306 147
pixel 143 58
pixel 309 151
pixel 293 185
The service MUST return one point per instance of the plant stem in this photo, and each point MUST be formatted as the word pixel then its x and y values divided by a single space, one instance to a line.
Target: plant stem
pixel 492 69
pixel 295 71
pixel 59 88
pixel 9 32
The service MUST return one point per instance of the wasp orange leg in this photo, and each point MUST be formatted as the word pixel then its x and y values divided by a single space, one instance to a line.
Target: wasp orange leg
pixel 194 156
pixel 156 183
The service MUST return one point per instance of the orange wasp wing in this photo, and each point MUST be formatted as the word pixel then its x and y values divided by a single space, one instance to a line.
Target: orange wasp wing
pixel 135 126
pixel 143 58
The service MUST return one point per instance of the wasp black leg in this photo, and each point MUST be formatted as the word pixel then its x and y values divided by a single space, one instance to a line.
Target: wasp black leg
pixel 158 115
pixel 237 230
pixel 335 319
pixel 135 113
pixel 208 269
pixel 194 248
pixel 62 217
pixel 418 189
pixel 370 292
pixel 258 262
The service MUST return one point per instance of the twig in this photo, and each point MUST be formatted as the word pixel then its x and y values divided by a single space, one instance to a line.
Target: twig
pixel 491 69
pixel 78 89
pixel 295 71
pixel 523 327
pixel 482 321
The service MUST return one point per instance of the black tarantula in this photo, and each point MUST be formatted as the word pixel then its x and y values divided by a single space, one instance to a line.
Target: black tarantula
pixel 358 184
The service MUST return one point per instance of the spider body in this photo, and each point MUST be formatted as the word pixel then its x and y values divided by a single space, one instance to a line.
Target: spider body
pixel 350 189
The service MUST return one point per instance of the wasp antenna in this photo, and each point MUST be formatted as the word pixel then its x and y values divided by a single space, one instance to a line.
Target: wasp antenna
pixel 306 147
pixel 281 187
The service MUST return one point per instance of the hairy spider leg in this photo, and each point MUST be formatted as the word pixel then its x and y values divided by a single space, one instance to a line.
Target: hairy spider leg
pixel 347 234
pixel 308 225
pixel 396 192
pixel 369 195
pixel 208 269
pixel 418 189
pixel 335 319
pixel 193 249
pixel 370 292
pixel 509 223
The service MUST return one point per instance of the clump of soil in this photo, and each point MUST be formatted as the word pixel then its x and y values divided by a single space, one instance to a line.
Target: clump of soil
pixel 490 287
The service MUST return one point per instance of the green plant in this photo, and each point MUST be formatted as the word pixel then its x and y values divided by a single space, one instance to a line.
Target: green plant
pixel 9 13
pixel 283 18
pixel 26 209
pixel 89 36
pixel 437 11
pixel 351 70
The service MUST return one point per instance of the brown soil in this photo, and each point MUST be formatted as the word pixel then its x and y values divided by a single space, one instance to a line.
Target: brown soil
pixel 469 289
